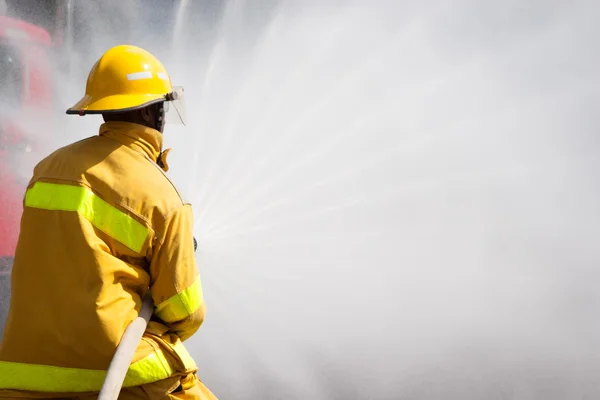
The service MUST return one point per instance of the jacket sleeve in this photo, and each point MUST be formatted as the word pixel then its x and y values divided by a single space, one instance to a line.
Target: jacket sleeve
pixel 175 281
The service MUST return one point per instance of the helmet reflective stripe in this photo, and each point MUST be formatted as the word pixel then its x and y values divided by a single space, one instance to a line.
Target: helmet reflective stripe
pixel 139 75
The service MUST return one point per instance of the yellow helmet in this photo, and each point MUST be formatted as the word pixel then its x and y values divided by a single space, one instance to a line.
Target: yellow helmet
pixel 126 78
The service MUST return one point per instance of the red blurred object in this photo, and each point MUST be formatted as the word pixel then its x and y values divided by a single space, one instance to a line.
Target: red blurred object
pixel 25 96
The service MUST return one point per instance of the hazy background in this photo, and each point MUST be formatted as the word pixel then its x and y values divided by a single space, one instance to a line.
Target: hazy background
pixel 393 199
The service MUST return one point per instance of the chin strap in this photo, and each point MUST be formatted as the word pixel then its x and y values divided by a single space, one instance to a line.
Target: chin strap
pixel 162 159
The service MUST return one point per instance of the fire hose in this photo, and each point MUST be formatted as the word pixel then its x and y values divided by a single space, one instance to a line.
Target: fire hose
pixel 125 350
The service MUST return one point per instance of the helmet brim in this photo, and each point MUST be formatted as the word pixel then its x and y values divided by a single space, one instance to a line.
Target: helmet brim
pixel 114 104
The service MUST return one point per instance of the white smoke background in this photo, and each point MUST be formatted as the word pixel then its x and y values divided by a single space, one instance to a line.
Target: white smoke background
pixel 393 200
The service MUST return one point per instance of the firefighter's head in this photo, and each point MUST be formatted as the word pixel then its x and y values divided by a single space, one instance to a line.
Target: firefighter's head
pixel 129 84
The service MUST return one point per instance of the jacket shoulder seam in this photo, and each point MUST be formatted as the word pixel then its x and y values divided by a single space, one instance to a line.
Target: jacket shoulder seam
pixel 166 177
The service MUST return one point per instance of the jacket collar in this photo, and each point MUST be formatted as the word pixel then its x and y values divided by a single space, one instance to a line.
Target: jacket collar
pixel 137 137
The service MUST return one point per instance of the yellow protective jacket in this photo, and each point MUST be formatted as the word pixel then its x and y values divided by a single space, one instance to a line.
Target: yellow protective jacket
pixel 101 225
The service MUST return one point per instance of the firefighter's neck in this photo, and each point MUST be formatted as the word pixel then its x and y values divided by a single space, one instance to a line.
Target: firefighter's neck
pixel 146 117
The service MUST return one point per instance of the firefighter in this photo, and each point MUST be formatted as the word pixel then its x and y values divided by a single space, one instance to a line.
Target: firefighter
pixel 102 225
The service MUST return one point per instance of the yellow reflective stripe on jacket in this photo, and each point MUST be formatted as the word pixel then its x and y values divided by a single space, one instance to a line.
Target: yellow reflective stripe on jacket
pixel 151 368
pixel 105 217
pixel 182 305
pixel 48 378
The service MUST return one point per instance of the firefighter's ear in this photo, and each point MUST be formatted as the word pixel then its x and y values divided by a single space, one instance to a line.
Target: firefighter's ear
pixel 146 115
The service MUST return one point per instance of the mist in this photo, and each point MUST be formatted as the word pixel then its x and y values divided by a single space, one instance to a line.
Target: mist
pixel 393 200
